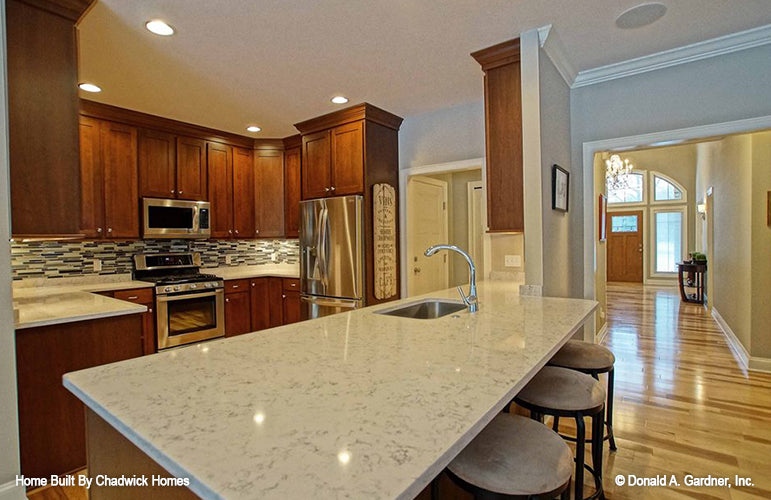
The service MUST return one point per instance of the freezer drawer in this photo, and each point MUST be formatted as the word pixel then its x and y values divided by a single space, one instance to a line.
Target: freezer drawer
pixel 317 307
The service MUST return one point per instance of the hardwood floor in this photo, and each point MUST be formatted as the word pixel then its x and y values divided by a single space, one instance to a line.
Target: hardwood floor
pixel 683 404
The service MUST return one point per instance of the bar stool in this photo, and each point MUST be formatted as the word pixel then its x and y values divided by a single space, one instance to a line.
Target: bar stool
pixel 561 392
pixel 516 458
pixel 592 359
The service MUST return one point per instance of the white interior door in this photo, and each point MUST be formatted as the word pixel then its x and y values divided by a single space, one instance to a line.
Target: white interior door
pixel 476 225
pixel 426 225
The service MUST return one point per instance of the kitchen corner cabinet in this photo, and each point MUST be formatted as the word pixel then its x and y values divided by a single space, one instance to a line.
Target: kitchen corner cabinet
pixel 292 191
pixel 503 136
pixel 243 194
pixel 269 191
pixel 171 166
pixel 220 173
pixel 109 179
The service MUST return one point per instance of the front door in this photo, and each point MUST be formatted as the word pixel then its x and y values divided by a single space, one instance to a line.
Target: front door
pixel 426 226
pixel 625 247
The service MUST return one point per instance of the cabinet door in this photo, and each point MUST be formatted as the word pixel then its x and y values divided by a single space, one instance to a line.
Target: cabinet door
pixel 237 316
pixel 292 192
pixel 191 169
pixel 243 193
pixel 220 166
pixel 276 295
pixel 148 331
pixel 316 165
pixel 157 160
pixel 270 193
pixel 348 159
pixel 260 299
pixel 91 180
pixel 121 191
pixel 291 306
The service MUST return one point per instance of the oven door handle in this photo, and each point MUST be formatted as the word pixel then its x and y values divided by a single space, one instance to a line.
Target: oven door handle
pixel 174 298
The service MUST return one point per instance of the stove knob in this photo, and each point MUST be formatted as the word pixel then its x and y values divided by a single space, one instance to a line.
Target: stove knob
pixel 193 286
pixel 167 289
pixel 176 288
pixel 209 285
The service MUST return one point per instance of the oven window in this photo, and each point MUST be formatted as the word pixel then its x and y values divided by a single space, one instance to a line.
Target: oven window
pixel 192 315
pixel 169 218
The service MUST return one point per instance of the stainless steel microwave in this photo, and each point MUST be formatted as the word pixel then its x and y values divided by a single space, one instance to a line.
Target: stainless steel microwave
pixel 164 218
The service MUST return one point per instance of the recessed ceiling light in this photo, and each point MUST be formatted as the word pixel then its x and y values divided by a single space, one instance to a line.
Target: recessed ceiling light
pixel 253 128
pixel 89 87
pixel 338 99
pixel 641 15
pixel 159 27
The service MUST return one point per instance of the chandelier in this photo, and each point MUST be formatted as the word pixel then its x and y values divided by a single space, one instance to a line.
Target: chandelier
pixel 616 171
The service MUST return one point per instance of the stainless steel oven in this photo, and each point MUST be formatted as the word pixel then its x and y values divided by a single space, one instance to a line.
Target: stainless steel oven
pixel 189 316
pixel 166 218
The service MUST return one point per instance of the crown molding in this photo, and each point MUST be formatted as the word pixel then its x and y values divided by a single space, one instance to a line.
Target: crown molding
pixel 689 53
pixel 552 45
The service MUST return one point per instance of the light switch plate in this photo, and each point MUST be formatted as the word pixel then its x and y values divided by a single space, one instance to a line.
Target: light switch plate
pixel 513 261
pixel 97 265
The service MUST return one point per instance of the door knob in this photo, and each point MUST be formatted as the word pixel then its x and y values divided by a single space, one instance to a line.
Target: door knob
pixel 416 270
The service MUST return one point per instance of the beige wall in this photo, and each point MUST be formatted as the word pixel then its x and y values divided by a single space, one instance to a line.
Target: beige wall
pixel 601 264
pixel 761 247
pixel 726 166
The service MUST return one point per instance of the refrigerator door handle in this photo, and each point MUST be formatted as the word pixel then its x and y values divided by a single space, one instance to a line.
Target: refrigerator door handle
pixel 322 247
pixel 326 302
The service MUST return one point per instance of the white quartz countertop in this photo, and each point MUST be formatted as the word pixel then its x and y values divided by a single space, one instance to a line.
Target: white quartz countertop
pixel 356 405
pixel 244 272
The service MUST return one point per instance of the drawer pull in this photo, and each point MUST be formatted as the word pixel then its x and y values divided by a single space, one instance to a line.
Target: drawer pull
pixel 133 297
pixel 235 286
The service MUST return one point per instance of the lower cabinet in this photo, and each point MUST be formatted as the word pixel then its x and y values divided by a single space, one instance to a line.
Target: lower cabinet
pixel 51 420
pixel 237 317
pixel 268 302
pixel 142 296
pixel 260 303
pixel 291 307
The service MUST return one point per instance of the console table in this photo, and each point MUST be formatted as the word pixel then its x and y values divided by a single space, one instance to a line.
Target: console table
pixel 691 275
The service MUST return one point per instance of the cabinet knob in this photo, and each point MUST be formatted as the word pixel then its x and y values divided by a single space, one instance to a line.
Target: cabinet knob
pixel 236 231
pixel 256 231
pixel 252 284
pixel 99 230
pixel 283 296
pixel 109 229
pixel 230 231
pixel 326 189
pixel 149 309
pixel 332 188
pixel 227 300
pixel 173 191
pixel 180 191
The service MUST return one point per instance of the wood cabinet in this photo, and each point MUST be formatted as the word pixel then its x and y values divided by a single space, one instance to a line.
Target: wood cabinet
pixel 260 303
pixel 51 419
pixel 316 165
pixel 171 166
pixel 237 313
pixel 503 136
pixel 291 307
pixel 143 296
pixel 191 169
pixel 276 300
pixel 269 189
pixel 244 212
pixel 42 77
pixel 348 159
pixel 109 188
pixel 292 191
pixel 220 173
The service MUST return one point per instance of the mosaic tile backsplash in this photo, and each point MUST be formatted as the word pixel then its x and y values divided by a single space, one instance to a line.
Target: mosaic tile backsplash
pixel 59 259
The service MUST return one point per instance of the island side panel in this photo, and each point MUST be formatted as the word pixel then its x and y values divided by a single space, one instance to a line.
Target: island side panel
pixel 112 455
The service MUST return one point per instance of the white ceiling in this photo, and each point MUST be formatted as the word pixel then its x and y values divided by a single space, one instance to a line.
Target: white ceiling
pixel 277 62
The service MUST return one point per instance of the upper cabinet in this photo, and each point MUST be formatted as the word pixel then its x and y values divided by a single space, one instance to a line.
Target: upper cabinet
pixel 269 191
pixel 191 169
pixel 171 166
pixel 43 116
pixel 243 194
pixel 333 149
pixel 503 136
pixel 109 190
pixel 220 166
pixel 292 186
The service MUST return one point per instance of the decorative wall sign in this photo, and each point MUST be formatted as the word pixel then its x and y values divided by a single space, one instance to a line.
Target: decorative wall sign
pixel 384 234
pixel 560 186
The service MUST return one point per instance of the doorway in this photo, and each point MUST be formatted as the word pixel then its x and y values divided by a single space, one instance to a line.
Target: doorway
pixel 427 225
pixel 625 246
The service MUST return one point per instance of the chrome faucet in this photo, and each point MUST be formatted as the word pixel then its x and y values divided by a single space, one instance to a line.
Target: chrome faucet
pixel 471 299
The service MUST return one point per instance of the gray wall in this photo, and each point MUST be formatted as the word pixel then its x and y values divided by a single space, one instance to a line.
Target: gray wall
pixel 558 270
pixel 9 436
pixel 719 89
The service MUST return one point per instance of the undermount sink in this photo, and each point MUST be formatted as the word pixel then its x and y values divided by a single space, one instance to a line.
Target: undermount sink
pixel 425 309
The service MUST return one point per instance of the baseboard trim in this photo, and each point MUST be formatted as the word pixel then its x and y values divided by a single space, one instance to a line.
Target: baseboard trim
pixel 600 336
pixel 762 365
pixel 9 491
pixel 733 341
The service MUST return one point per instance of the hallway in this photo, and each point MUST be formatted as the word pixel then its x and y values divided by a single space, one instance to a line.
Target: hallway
pixel 683 404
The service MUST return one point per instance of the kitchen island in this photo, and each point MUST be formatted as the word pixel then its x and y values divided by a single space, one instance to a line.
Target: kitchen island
pixel 356 405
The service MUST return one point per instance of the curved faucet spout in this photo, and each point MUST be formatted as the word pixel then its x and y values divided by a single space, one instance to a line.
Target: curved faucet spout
pixel 471 299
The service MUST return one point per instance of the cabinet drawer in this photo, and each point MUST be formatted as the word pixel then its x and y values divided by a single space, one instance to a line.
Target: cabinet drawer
pixel 139 295
pixel 234 286
pixel 291 284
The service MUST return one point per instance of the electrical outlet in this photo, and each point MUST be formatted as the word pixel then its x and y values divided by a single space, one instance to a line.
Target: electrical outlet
pixel 97 265
pixel 274 257
pixel 228 259
pixel 513 261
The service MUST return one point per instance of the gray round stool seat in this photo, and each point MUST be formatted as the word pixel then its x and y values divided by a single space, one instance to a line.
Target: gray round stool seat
pixel 515 456
pixel 563 389
pixel 584 356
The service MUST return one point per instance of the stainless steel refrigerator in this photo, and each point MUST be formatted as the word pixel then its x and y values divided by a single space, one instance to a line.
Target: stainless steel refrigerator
pixel 331 255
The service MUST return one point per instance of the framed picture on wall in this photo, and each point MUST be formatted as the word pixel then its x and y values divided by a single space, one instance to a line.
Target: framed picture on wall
pixel 603 217
pixel 560 184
